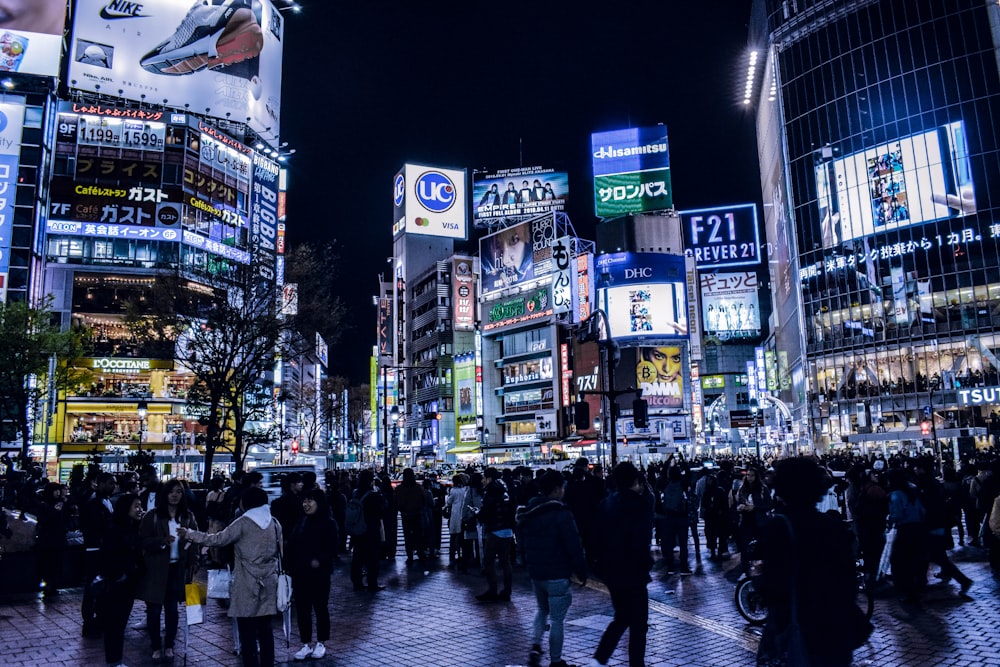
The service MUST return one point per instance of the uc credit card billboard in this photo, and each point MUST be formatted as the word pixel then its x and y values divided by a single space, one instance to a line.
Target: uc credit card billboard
pixel 631 171
pixel 429 201
pixel 230 68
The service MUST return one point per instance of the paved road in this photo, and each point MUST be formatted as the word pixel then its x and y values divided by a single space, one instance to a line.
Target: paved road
pixel 428 616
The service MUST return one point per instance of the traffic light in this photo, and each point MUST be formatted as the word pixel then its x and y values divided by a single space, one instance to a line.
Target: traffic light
pixel 640 413
pixel 925 428
pixel 625 441
pixel 295 446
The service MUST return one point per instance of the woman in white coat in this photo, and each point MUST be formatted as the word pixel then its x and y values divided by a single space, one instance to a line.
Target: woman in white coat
pixel 453 506
pixel 256 537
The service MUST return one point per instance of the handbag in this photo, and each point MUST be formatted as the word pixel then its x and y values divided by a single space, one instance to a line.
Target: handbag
pixel 219 582
pixel 194 600
pixel 284 594
pixel 884 566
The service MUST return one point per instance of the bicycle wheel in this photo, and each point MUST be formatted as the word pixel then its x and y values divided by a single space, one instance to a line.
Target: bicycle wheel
pixel 750 603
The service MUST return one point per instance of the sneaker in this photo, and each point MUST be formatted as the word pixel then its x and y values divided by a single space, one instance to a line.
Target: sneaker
pixel 305 652
pixel 214 33
pixel 535 656
pixel 319 651
pixel 488 596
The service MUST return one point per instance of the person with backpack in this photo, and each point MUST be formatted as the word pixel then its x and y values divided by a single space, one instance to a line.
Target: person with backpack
pixel 908 557
pixel 715 514
pixel 363 520
pixel 675 521
pixel 497 519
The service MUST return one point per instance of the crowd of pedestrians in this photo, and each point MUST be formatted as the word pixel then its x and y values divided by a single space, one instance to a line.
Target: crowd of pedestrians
pixel 144 539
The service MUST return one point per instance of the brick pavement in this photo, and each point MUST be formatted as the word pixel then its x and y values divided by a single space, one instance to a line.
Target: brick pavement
pixel 428 616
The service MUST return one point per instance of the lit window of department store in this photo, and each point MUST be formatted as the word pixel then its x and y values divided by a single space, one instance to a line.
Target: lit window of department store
pixel 880 165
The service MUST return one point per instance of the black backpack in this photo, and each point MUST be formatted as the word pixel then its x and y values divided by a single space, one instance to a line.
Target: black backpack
pixel 354 515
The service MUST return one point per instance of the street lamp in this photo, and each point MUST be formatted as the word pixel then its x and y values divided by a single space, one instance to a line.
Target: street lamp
pixel 142 410
pixel 486 440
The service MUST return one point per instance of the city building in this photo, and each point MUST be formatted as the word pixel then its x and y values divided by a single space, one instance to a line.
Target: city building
pixel 878 155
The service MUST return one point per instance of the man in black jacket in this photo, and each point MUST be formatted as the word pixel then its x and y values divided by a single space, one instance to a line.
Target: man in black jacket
pixel 553 552
pixel 626 529
pixel 497 519
pixel 95 520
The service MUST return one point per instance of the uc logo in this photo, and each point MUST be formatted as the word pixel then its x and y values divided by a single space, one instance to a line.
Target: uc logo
pixel 435 191
pixel 3 121
pixel 398 190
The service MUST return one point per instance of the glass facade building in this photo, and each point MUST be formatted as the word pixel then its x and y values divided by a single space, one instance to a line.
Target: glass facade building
pixel 880 165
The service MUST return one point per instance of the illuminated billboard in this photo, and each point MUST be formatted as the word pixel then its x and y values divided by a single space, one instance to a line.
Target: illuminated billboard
pixel 31 36
pixel 222 59
pixel 723 236
pixel 730 305
pixel 463 295
pixel 645 295
pixel 517 192
pixel 910 181
pixel 519 254
pixel 659 374
pixel 528 307
pixel 429 201
pixel 631 171
pixel 11 124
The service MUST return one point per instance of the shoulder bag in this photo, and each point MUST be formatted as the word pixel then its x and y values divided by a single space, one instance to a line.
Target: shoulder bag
pixel 284 581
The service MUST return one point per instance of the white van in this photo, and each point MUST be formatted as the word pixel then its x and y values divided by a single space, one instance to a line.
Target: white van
pixel 273 474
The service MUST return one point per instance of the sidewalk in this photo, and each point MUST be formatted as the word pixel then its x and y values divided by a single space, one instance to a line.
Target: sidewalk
pixel 429 616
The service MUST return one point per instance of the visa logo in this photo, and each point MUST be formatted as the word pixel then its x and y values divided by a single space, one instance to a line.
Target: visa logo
pixel 450 225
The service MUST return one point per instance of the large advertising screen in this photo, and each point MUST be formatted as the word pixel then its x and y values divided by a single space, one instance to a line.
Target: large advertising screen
pixel 222 59
pixel 429 201
pixel 910 181
pixel 645 296
pixel 631 171
pixel 659 373
pixel 730 305
pixel 510 193
pixel 31 36
pixel 722 236
pixel 518 254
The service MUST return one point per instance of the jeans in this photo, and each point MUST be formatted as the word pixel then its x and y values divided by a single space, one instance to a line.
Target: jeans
pixel 675 533
pixel 498 547
pixel 631 603
pixel 254 631
pixel 115 607
pixel 554 598
pixel 172 597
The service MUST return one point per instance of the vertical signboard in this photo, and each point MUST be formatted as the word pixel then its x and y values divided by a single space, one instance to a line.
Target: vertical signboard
pixel 264 214
pixel 463 284
pixel 583 295
pixel 691 274
pixel 631 171
pixel 11 124
pixel 384 333
pixel 562 275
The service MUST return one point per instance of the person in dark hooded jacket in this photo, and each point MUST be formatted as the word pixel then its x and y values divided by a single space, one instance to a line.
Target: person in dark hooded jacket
pixel 626 529
pixel 553 553
pixel 311 551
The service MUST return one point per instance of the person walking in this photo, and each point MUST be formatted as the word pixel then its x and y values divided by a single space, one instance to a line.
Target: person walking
pixel 169 563
pixel 909 552
pixel 497 519
pixel 411 501
pixel 50 536
pixel 933 496
pixel 808 568
pixel 121 555
pixel 312 547
pixel 625 530
pixel 366 545
pixel 553 553
pixel 256 540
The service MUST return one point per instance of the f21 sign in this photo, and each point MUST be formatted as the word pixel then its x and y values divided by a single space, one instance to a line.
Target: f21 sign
pixel 722 237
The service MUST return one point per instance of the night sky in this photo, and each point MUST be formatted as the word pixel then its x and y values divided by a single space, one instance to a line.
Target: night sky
pixel 368 86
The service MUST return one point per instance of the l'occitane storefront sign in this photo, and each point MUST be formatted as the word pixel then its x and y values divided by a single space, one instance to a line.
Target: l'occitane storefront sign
pixel 125 364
